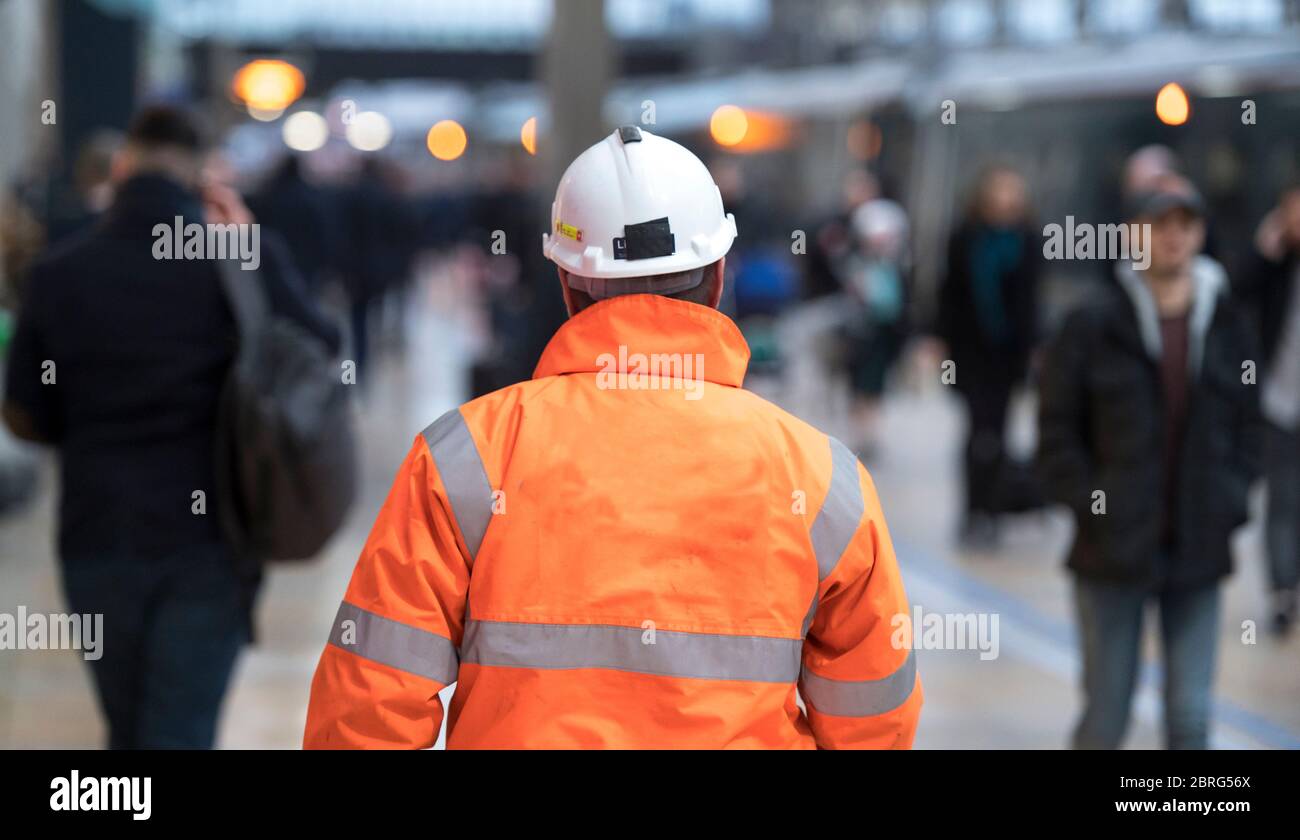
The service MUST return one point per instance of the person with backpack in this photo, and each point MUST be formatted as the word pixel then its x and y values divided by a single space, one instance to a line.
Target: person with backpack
pixel 119 361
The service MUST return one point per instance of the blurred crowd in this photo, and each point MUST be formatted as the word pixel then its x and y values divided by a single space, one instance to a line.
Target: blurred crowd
pixel 1161 398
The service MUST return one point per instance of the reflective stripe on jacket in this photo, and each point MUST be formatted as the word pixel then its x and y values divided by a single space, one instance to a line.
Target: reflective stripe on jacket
pixel 639 562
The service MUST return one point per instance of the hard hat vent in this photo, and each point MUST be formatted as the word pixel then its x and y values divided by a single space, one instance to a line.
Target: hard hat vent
pixel 629 134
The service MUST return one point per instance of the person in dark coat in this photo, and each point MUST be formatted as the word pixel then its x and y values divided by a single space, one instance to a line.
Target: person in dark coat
pixel 1149 432
pixel 988 303
pixel 300 213
pixel 380 228
pixel 1271 291
pixel 118 361
pixel 522 307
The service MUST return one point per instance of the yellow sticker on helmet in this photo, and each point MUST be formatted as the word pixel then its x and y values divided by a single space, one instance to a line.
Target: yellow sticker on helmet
pixel 568 230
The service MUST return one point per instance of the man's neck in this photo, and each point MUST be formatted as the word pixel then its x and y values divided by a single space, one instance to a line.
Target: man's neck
pixel 1172 291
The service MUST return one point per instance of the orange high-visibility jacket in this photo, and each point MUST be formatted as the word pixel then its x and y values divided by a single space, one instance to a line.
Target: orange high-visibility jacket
pixel 628 550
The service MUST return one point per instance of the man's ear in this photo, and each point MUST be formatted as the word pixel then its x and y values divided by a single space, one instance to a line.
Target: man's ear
pixel 569 302
pixel 719 272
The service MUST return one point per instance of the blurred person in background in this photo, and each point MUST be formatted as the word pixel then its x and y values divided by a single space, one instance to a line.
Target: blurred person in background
pixel 300 213
pixel 1156 168
pixel 380 230
pixel 22 238
pixel 1145 170
pixel 875 276
pixel 91 192
pixel 1149 434
pixel 403 242
pixel 833 237
pixel 506 220
pixel 1271 290
pixel 761 279
pixel 988 317
pixel 118 361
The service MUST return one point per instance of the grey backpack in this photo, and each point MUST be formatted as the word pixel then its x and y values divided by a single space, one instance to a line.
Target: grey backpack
pixel 286 453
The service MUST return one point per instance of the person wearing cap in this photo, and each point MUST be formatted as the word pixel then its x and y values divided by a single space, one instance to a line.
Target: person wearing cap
pixel 628 550
pixel 1149 432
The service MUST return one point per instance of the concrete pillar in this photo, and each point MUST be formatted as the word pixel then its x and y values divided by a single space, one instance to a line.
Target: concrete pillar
pixel 27 79
pixel 578 64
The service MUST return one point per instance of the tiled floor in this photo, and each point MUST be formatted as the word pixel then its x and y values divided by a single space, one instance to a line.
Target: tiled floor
pixel 1026 697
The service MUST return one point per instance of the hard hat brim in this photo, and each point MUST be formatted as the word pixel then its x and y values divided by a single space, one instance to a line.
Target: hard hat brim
pixel 593 260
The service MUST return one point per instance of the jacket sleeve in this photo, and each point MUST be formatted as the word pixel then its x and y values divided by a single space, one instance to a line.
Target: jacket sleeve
pixel 859 683
pixel 1252 427
pixel 288 296
pixel 1063 456
pixel 32 407
pixel 394 642
pixel 1028 278
pixel 948 310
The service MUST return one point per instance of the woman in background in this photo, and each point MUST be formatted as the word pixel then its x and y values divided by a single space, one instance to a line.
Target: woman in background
pixel 988 319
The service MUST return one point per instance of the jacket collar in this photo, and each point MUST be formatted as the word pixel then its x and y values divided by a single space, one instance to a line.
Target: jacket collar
pixel 1209 282
pixel 647 324
pixel 148 199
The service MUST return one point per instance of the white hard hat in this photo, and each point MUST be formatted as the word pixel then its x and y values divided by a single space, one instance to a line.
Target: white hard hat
pixel 636 205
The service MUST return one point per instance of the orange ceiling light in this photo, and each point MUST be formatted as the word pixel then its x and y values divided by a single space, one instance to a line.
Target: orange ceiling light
pixel 446 140
pixel 728 125
pixel 268 85
pixel 1172 105
pixel 528 135
pixel 751 131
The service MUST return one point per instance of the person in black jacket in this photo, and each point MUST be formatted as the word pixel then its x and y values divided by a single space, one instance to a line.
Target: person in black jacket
pixel 988 304
pixel 1271 290
pixel 118 361
pixel 303 216
pixel 1149 433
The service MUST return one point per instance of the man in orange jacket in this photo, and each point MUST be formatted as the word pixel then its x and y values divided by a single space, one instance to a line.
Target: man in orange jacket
pixel 629 550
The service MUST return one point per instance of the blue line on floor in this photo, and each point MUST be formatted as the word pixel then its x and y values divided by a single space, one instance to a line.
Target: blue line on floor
pixel 1061 633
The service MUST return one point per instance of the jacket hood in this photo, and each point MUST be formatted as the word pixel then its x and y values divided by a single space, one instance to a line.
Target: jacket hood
pixel 1209 282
